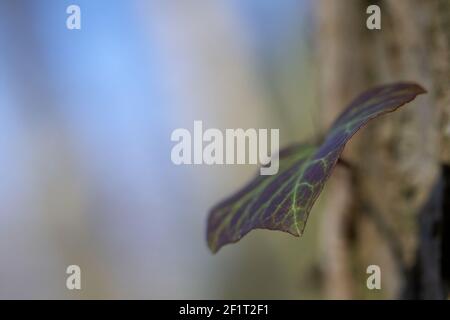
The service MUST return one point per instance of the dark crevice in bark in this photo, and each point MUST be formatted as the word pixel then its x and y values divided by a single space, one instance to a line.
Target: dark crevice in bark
pixel 429 277
pixel 445 249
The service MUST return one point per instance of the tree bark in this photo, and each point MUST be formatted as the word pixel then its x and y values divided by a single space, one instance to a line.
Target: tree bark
pixel 397 160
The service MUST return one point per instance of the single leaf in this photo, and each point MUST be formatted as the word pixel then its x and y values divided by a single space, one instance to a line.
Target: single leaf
pixel 283 201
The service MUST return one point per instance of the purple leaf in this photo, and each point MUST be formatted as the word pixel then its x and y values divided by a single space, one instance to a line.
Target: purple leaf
pixel 283 201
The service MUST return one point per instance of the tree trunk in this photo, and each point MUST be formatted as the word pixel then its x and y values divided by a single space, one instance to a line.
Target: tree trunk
pixel 388 208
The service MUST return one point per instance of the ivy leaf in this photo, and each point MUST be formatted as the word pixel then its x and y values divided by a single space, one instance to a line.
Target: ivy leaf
pixel 283 201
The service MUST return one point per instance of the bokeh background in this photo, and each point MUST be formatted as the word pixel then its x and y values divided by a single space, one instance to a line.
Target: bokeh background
pixel 85 122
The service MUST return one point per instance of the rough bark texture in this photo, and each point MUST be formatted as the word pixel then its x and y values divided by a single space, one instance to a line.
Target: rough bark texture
pixel 396 161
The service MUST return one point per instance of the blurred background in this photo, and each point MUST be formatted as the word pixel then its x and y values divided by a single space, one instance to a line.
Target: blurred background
pixel 86 117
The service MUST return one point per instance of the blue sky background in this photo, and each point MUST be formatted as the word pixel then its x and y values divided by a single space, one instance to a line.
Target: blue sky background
pixel 86 118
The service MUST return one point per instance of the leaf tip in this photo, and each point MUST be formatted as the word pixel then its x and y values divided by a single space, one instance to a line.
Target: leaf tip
pixel 419 88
